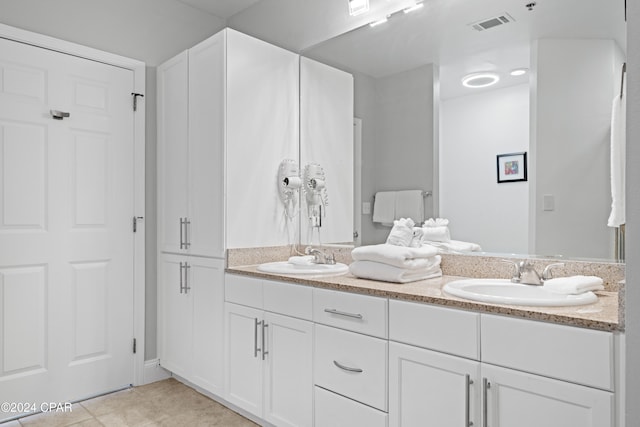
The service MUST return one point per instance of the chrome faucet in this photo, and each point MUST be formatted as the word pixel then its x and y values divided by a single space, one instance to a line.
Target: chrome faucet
pixel 320 257
pixel 527 274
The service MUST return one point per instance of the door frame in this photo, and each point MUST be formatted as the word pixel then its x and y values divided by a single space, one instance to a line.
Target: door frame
pixel 138 68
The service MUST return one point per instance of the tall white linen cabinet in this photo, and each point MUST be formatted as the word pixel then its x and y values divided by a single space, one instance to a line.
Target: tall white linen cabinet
pixel 227 115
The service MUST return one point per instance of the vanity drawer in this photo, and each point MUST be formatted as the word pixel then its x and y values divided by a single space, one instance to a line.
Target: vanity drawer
pixel 243 290
pixel 288 299
pixel 352 365
pixel 358 313
pixel 332 410
pixel 435 328
pixel 578 355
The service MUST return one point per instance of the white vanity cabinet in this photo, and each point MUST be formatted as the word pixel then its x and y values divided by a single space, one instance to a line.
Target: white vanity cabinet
pixel 449 367
pixel 269 348
pixel 350 359
pixel 191 326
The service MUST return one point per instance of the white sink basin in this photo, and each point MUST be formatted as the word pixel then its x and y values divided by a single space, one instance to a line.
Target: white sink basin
pixel 285 267
pixel 503 291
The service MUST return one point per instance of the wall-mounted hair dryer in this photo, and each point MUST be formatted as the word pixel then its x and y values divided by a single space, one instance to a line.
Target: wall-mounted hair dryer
pixel 289 184
pixel 315 193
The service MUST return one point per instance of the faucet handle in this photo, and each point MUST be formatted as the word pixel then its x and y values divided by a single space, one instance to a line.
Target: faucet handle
pixel 546 274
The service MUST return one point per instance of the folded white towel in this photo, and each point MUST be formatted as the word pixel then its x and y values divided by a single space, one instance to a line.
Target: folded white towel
pixel 397 256
pixel 301 260
pixel 384 207
pixel 388 273
pixel 410 204
pixel 573 285
pixel 402 232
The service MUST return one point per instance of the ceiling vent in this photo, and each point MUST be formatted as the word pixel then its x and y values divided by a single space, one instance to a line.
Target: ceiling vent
pixel 486 24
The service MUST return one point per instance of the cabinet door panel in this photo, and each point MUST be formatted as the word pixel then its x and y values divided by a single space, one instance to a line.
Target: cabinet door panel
pixel 288 371
pixel 525 400
pixel 243 358
pixel 172 150
pixel 206 141
pixel 430 388
pixel 206 278
pixel 175 317
pixel 333 410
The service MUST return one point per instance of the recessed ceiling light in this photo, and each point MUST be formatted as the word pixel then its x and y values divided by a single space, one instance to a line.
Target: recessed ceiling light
pixel 356 7
pixel 413 8
pixel 477 80
pixel 519 71
pixel 378 22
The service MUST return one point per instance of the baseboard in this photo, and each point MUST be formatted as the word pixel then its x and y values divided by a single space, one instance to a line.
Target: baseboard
pixel 154 372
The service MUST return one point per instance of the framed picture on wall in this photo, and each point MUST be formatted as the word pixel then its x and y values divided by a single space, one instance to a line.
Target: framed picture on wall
pixel 512 167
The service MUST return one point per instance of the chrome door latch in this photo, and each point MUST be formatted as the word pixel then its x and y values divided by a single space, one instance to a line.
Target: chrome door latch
pixel 58 115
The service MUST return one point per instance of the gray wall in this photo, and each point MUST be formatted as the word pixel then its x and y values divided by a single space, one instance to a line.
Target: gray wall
pixel 632 297
pixel 398 138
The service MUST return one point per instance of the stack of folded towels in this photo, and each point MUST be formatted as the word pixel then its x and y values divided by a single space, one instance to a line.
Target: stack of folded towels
pixel 397 260
pixel 573 285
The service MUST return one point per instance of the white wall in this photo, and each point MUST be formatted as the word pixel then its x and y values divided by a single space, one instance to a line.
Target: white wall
pixel 576 84
pixel 474 129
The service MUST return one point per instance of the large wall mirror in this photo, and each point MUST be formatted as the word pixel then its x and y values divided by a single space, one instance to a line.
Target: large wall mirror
pixel 423 129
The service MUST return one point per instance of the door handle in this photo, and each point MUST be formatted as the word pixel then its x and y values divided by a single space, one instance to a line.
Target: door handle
pixel 347 368
pixel 264 345
pixel 181 276
pixel 182 232
pixel 485 404
pixel 256 323
pixel 186 278
pixel 467 403
pixel 59 115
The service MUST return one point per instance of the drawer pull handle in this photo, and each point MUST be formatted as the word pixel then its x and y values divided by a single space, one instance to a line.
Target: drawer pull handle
pixel 343 313
pixel 346 368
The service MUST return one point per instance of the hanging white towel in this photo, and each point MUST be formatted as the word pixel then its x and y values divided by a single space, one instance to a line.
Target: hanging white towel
pixel 618 162
pixel 410 204
pixel 384 207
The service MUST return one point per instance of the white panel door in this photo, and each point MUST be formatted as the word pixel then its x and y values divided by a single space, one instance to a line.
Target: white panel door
pixel 431 388
pixel 66 241
pixel 288 371
pixel 518 399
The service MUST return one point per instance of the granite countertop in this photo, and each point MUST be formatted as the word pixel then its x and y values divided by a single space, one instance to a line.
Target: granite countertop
pixel 601 315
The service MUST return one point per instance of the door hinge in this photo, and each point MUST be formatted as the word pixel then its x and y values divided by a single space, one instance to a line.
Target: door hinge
pixel 135 222
pixel 135 100
pixel 134 346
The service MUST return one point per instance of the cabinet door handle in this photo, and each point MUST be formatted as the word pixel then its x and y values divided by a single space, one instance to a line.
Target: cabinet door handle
pixel 186 277
pixel 347 368
pixel 264 345
pixel 486 385
pixel 181 233
pixel 256 323
pixel 467 403
pixel 187 240
pixel 181 277
pixel 343 313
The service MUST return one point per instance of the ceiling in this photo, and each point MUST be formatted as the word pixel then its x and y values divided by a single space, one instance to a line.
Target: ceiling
pixel 222 8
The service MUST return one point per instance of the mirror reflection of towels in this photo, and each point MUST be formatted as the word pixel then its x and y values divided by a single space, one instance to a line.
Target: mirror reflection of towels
pixel 384 207
pixel 410 204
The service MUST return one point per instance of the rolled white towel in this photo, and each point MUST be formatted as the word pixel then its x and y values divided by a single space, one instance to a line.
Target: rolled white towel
pixel 438 222
pixel 388 273
pixel 573 285
pixel 402 232
pixel 434 234
pixel 397 256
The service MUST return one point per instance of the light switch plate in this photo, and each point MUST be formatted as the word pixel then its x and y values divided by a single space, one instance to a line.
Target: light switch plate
pixel 548 202
pixel 366 208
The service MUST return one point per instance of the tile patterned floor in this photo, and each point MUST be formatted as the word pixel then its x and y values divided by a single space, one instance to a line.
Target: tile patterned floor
pixel 167 403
